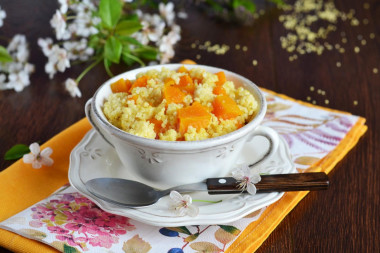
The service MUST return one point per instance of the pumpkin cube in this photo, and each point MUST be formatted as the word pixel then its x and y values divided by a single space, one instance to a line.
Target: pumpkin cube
pixel 140 82
pixel 121 85
pixel 172 92
pixel 186 84
pixel 225 107
pixel 195 115
pixel 221 78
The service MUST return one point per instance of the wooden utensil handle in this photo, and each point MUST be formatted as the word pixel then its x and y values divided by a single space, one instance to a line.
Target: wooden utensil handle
pixel 272 183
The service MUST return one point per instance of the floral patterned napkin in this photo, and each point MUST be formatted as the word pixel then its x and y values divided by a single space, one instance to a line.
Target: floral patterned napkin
pixel 69 222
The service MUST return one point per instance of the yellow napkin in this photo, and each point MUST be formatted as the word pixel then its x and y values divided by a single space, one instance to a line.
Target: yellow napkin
pixel 21 187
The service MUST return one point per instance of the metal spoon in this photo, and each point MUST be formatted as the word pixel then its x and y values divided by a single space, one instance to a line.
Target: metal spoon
pixel 130 193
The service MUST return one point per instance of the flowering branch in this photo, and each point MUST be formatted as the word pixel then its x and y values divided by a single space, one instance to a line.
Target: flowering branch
pixel 111 31
pixel 14 66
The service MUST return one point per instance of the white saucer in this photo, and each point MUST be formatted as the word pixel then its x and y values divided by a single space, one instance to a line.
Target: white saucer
pixel 93 158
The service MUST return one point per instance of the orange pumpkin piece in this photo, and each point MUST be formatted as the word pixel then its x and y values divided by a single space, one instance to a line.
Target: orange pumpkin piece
pixel 186 84
pixel 239 125
pixel 187 61
pixel 157 125
pixel 134 97
pixel 182 69
pixel 195 115
pixel 169 81
pixel 121 85
pixel 198 80
pixel 140 82
pixel 173 94
pixel 218 90
pixel 225 107
pixel 221 78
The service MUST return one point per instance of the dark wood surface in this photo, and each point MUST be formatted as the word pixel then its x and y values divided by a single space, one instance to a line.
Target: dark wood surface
pixel 344 218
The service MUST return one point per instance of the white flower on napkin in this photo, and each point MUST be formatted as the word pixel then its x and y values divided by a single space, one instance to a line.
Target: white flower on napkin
pixel 182 205
pixel 37 158
pixel 247 177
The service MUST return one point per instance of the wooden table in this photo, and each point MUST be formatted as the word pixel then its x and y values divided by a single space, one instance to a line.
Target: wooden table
pixel 346 218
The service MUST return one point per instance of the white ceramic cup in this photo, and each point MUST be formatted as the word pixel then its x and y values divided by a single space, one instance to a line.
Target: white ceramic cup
pixel 163 164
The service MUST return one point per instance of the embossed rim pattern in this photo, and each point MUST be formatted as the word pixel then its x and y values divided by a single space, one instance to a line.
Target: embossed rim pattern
pixel 232 208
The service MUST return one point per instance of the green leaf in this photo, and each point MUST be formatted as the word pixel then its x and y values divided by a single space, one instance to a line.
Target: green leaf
pixel 248 5
pixel 112 49
pixel 278 2
pixel 69 249
pixel 110 12
pixel 128 27
pixel 182 229
pixel 129 59
pixel 93 41
pixel 230 229
pixel 147 52
pixel 131 16
pixel 4 55
pixel 107 65
pixel 16 152
pixel 215 6
pixel 126 40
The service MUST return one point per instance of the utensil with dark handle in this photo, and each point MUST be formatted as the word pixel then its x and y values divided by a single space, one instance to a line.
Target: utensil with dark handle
pixel 130 193
pixel 272 183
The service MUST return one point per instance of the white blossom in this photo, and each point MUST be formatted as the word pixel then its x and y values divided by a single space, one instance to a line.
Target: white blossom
pixel 57 61
pixel 167 42
pixel 182 15
pixel 167 12
pixel 16 73
pixel 17 41
pixel 63 6
pixel 37 158
pixel 3 84
pixel 84 24
pixel 18 48
pixel 153 28
pixel 78 50
pixel 247 177
pixel 18 80
pixel 46 45
pixel 62 58
pixel 72 87
pixel 3 15
pixel 58 22
pixel 29 68
pixel 82 6
pixel 12 67
pixel 182 205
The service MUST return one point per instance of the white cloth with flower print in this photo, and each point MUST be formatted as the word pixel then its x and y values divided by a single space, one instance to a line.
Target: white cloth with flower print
pixel 70 222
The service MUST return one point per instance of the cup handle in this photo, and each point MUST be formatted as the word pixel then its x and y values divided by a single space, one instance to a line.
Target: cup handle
pixel 93 123
pixel 273 139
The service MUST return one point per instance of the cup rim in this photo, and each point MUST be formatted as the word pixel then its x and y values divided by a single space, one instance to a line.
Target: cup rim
pixel 181 145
